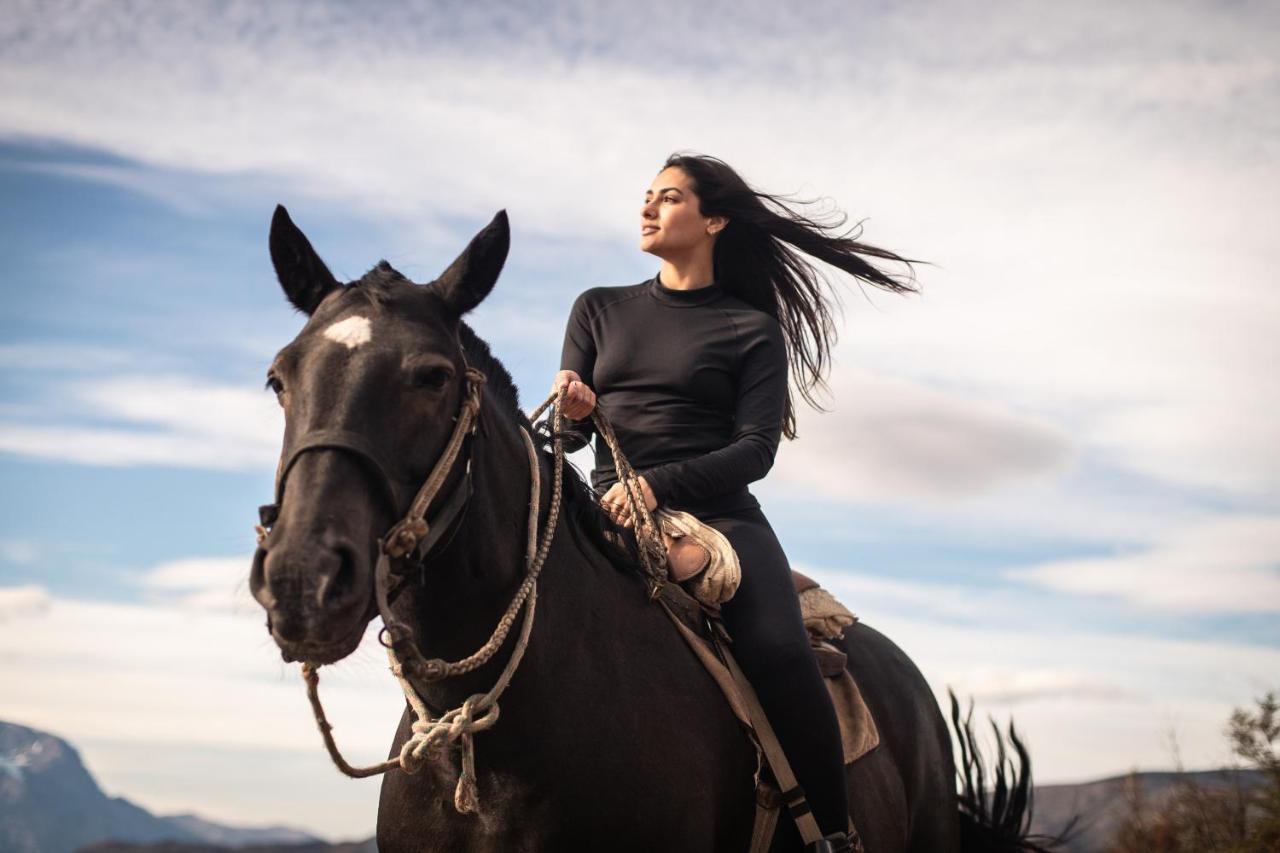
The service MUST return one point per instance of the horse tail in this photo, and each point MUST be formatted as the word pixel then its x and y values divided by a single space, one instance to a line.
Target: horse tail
pixel 997 820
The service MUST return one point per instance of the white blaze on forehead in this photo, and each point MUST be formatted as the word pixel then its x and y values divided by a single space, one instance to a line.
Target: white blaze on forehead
pixel 352 332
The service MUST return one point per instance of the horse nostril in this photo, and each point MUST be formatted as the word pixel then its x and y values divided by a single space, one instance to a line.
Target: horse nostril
pixel 342 584
pixel 258 579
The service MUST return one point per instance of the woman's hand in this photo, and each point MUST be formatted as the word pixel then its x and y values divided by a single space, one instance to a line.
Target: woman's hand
pixel 579 400
pixel 619 508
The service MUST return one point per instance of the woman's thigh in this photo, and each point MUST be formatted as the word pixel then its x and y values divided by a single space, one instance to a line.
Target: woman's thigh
pixel 763 617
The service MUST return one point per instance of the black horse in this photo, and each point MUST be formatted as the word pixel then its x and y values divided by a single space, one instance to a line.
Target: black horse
pixel 612 736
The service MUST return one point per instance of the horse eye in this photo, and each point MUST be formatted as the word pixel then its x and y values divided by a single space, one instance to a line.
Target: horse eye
pixel 433 379
pixel 274 383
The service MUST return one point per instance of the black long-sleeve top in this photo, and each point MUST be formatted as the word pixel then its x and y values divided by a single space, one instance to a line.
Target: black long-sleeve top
pixel 694 383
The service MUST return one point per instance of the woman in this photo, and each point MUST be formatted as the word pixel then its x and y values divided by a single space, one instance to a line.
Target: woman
pixel 691 367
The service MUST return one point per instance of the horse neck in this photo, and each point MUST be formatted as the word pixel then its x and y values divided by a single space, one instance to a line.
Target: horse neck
pixel 471 582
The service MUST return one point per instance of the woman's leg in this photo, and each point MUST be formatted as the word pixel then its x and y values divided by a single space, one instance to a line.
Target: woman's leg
pixel 772 647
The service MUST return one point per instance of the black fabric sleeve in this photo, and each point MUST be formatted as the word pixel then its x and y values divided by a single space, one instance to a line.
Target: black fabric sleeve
pixel 579 355
pixel 758 415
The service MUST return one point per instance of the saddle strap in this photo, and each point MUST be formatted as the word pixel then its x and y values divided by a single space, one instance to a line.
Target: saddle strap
pixel 766 822
pixel 719 672
pixel 792 794
pixel 746 705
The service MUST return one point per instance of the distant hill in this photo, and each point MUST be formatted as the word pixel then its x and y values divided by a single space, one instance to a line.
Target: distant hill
pixel 1103 804
pixel 239 836
pixel 49 803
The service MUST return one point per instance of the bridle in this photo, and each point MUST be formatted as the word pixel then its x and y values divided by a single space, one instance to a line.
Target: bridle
pixel 409 539
pixel 406 543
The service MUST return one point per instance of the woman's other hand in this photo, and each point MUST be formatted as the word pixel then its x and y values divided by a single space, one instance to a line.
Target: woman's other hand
pixel 619 508
pixel 579 400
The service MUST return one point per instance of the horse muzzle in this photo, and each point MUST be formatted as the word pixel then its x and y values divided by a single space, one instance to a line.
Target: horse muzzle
pixel 318 594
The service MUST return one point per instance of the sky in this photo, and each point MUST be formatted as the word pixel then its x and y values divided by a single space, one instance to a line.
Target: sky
pixel 1052 477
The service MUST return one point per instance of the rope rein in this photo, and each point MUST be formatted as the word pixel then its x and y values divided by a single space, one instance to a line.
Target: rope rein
pixel 480 711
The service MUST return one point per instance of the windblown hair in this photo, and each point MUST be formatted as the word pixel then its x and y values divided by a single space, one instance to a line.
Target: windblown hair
pixel 759 257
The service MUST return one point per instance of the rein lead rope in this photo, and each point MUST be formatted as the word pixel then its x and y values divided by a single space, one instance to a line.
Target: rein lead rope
pixel 478 712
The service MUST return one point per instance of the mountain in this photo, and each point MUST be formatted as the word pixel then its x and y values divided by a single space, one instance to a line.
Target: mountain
pixel 239 836
pixel 49 803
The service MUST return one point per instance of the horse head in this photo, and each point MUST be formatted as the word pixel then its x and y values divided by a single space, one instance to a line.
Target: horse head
pixel 370 388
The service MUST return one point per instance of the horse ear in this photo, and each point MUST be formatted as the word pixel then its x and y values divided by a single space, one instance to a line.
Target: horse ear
pixel 468 280
pixel 304 277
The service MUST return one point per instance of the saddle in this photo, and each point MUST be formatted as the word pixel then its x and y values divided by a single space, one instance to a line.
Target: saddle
pixel 703 572
pixel 701 560
pixel 700 626
pixel 825 619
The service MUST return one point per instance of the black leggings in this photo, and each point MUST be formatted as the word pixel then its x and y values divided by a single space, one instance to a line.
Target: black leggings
pixel 772 647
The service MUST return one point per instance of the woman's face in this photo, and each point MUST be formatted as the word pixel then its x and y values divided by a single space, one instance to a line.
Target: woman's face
pixel 670 224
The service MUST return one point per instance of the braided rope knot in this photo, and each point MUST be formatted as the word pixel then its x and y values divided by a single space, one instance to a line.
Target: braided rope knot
pixel 431 737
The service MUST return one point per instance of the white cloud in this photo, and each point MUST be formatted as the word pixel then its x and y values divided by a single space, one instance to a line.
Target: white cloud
pixel 170 420
pixel 188 680
pixel 44 357
pixel 867 592
pixel 895 440
pixel 1103 273
pixel 101 446
pixel 21 551
pixel 203 583
pixel 188 405
pixel 143 182
pixel 1227 565
pixel 19 601
pixel 193 573
pixel 1090 702
pixel 1009 687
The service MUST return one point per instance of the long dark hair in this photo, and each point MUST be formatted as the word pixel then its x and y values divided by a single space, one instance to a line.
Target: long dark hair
pixel 759 258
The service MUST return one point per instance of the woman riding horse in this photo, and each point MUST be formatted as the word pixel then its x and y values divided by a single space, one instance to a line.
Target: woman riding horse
pixel 691 367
